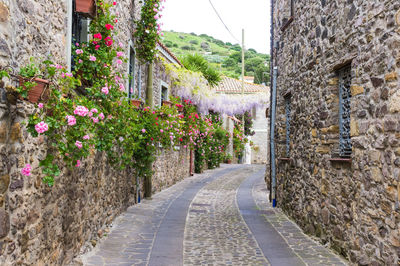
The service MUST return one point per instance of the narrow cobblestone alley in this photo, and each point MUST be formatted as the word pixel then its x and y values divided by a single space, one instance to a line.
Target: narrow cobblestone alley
pixel 221 217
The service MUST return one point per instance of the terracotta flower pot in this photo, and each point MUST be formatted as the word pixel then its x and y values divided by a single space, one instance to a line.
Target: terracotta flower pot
pixel 39 92
pixel 136 102
pixel 229 161
pixel 85 7
pixel 167 103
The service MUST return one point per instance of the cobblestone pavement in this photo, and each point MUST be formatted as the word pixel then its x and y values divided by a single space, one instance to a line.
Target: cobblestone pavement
pixel 201 221
pixel 215 231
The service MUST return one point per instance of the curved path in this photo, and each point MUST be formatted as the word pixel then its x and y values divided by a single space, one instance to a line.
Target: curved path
pixel 221 217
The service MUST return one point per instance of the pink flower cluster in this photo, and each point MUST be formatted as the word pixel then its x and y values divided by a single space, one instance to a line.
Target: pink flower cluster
pixel 81 110
pixel 78 144
pixel 104 90
pixel 41 127
pixel 71 120
pixel 26 171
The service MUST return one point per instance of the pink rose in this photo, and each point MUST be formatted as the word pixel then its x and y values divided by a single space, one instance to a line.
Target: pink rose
pixel 101 116
pixel 86 137
pixel 97 36
pixel 40 105
pixel 108 41
pixel 92 58
pixel 143 130
pixel 79 51
pixel 109 27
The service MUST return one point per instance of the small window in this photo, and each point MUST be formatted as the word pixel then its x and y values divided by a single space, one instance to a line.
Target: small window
pixel 345 147
pixel 288 109
pixel 164 93
pixel 80 30
pixel 131 87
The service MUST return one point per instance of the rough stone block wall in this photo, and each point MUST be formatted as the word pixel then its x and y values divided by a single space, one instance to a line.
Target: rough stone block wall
pixel 170 167
pixel 352 205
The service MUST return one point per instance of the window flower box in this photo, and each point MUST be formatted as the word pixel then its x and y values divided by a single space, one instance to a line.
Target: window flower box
pixel 136 102
pixel 39 91
pixel 85 7
pixel 167 103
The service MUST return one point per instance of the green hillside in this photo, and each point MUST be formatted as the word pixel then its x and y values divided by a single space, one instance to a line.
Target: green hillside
pixel 224 56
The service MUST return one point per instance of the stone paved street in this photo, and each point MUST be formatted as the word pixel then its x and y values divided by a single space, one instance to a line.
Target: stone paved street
pixel 221 217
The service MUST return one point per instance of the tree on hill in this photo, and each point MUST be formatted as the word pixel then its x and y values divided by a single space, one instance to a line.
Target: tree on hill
pixel 198 63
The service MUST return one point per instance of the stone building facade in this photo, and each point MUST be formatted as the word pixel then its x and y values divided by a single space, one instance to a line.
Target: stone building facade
pixel 48 226
pixel 337 123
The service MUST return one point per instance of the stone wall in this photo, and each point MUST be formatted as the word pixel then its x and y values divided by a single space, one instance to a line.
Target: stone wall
pixel 170 167
pixel 351 204
pixel 48 226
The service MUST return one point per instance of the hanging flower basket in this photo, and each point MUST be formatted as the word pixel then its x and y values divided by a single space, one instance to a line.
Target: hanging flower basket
pixel 167 103
pixel 136 102
pixel 39 91
pixel 85 7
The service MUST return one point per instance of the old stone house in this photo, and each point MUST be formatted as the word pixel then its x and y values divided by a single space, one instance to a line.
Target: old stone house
pixel 48 226
pixel 258 152
pixel 335 150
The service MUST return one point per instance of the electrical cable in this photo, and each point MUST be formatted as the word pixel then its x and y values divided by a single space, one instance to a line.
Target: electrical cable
pixel 216 12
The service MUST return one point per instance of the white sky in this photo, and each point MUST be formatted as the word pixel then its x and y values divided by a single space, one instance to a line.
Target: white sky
pixel 199 17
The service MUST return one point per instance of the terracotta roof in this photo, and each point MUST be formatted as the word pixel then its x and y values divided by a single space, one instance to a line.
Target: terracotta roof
pixel 163 48
pixel 231 85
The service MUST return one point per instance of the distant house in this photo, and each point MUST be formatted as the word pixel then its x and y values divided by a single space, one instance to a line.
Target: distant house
pixel 258 153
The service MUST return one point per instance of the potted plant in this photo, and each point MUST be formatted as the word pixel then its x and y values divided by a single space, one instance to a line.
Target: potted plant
pixel 135 100
pixel 166 103
pixel 85 7
pixel 31 85
pixel 228 158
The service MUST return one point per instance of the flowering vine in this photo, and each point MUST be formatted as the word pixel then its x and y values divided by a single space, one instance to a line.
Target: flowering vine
pixel 148 30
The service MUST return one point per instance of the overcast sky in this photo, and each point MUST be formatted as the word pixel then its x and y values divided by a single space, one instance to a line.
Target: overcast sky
pixel 199 17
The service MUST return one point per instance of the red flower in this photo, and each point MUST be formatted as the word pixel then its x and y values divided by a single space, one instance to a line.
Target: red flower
pixel 181 139
pixel 116 20
pixel 109 27
pixel 97 36
pixel 114 3
pixel 97 47
pixel 108 41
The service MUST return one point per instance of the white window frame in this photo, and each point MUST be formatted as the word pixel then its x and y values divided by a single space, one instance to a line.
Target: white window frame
pixel 163 84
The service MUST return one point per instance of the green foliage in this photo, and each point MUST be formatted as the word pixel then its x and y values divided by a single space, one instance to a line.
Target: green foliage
pixel 31 70
pixel 197 63
pixel 146 34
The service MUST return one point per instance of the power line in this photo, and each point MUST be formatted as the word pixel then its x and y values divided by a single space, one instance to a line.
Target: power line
pixel 226 27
